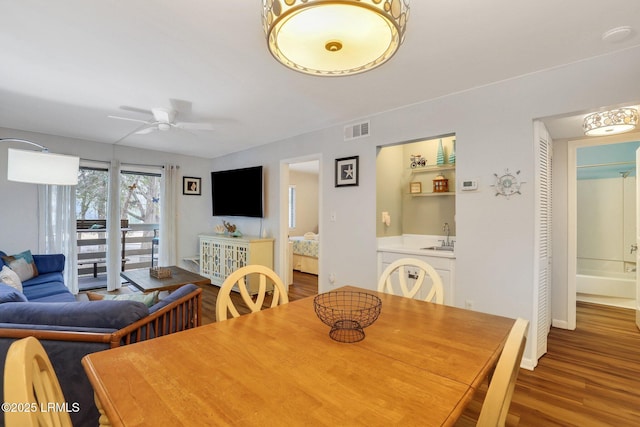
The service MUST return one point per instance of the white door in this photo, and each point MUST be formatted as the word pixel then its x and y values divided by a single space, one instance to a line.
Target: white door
pixel 637 240
pixel 542 324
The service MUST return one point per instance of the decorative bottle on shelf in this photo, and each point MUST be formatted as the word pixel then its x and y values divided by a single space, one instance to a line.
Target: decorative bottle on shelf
pixel 452 155
pixel 440 157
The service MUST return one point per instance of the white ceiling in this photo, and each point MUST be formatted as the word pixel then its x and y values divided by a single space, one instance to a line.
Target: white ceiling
pixel 68 64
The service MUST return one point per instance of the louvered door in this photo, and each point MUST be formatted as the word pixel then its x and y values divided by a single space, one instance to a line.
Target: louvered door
pixel 543 257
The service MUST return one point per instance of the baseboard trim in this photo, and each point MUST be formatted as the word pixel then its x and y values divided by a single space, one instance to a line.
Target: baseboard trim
pixel 561 324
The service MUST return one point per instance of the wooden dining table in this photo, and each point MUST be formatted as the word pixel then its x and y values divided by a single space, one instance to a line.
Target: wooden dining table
pixel 419 364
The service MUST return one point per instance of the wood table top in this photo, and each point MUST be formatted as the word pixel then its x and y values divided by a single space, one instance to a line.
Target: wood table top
pixel 141 279
pixel 419 364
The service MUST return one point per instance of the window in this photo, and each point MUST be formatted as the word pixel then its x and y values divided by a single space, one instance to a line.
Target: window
pixel 292 206
pixel 91 193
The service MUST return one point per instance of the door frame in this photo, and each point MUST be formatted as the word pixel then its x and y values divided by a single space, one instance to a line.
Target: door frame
pixel 572 211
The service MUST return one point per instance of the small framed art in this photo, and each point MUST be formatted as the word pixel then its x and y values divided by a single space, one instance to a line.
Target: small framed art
pixel 415 187
pixel 347 171
pixel 191 186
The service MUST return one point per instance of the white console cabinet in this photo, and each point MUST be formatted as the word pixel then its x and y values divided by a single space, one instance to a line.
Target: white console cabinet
pixel 222 255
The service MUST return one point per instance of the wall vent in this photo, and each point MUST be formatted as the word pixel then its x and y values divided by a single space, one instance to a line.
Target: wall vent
pixel 359 130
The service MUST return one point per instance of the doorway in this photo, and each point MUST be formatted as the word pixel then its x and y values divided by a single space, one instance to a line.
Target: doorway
pixel 138 215
pixel 300 196
pixel 606 229
pixel 580 259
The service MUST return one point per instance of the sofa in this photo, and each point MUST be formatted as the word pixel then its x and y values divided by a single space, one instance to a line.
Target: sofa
pixel 69 329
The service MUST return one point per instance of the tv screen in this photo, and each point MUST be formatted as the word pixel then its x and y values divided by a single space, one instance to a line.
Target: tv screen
pixel 237 192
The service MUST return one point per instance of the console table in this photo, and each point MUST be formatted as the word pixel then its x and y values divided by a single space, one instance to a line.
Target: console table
pixel 221 255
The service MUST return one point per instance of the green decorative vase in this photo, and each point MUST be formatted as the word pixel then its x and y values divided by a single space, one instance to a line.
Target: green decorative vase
pixel 452 155
pixel 440 157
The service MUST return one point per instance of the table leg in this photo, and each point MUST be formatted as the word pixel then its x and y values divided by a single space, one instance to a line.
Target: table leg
pixel 103 420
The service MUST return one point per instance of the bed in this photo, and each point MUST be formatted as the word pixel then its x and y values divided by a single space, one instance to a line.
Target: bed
pixel 305 253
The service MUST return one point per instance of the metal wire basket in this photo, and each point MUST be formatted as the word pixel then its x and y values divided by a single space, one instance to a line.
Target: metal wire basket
pixel 347 313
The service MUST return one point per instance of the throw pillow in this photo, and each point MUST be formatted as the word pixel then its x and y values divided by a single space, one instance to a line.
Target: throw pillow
pixel 10 277
pixel 22 264
pixel 147 299
pixel 9 294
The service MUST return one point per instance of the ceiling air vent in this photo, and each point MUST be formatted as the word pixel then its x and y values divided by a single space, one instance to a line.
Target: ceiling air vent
pixel 359 130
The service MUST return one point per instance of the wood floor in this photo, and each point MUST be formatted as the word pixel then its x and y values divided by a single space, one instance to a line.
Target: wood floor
pixel 589 377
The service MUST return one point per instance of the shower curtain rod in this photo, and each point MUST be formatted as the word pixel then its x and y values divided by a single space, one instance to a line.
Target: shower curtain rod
pixel 606 164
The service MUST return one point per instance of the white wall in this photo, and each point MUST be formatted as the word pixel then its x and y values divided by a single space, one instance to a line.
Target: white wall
pixel 604 205
pixel 494 131
pixel 389 173
pixel 19 207
pixel 306 201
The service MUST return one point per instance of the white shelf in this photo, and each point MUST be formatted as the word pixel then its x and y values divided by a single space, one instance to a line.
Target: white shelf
pixel 433 169
pixel 445 193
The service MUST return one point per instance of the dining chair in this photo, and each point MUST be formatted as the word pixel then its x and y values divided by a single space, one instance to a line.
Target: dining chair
pixel 414 269
pixel 240 277
pixel 503 382
pixel 30 380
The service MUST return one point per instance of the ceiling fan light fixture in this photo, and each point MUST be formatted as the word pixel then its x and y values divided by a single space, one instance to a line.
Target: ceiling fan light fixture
pixel 610 122
pixel 334 38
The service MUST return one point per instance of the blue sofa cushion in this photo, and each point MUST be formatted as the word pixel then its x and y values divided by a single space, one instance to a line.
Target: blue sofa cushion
pixel 175 295
pixel 10 294
pixel 49 263
pixel 91 314
pixel 47 287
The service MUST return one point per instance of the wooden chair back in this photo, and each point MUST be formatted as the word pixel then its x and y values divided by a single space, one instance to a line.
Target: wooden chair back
pixel 503 382
pixel 239 277
pixel 418 268
pixel 29 379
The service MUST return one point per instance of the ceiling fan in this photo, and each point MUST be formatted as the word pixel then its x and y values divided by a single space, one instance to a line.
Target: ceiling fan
pixel 164 120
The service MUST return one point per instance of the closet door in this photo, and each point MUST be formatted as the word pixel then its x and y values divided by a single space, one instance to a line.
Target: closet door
pixel 542 262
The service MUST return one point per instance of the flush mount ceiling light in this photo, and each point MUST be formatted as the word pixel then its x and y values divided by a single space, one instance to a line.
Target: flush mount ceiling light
pixel 610 122
pixel 334 37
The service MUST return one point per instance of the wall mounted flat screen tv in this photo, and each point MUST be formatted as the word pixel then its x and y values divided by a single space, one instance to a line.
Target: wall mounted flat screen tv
pixel 238 192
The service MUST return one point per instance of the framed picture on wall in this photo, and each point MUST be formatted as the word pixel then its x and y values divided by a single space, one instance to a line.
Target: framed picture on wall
pixel 347 171
pixel 191 185
pixel 415 187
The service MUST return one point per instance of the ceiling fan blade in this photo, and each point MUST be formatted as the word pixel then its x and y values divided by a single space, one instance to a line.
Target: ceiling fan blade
pixel 195 126
pixel 128 134
pixel 147 130
pixel 136 110
pixel 181 106
pixel 128 119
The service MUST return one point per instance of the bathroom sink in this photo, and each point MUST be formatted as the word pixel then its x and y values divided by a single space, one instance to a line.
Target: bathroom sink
pixel 439 248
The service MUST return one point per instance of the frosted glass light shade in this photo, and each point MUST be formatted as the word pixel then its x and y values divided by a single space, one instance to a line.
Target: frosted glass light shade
pixel 334 38
pixel 38 167
pixel 610 122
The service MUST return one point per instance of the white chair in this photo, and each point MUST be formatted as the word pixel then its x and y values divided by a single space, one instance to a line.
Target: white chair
pixel 239 277
pixel 503 382
pixel 420 269
pixel 29 379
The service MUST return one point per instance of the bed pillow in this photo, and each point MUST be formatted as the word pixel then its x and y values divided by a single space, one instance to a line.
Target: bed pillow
pixel 11 278
pixel 22 264
pixel 147 299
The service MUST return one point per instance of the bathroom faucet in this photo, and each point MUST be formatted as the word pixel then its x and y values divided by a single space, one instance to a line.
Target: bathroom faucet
pixel 445 228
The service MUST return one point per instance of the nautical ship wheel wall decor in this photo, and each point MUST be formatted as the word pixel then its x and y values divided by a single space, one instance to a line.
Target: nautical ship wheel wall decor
pixel 507 184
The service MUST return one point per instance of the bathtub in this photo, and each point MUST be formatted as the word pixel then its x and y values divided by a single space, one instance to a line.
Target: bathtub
pixel 605 283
